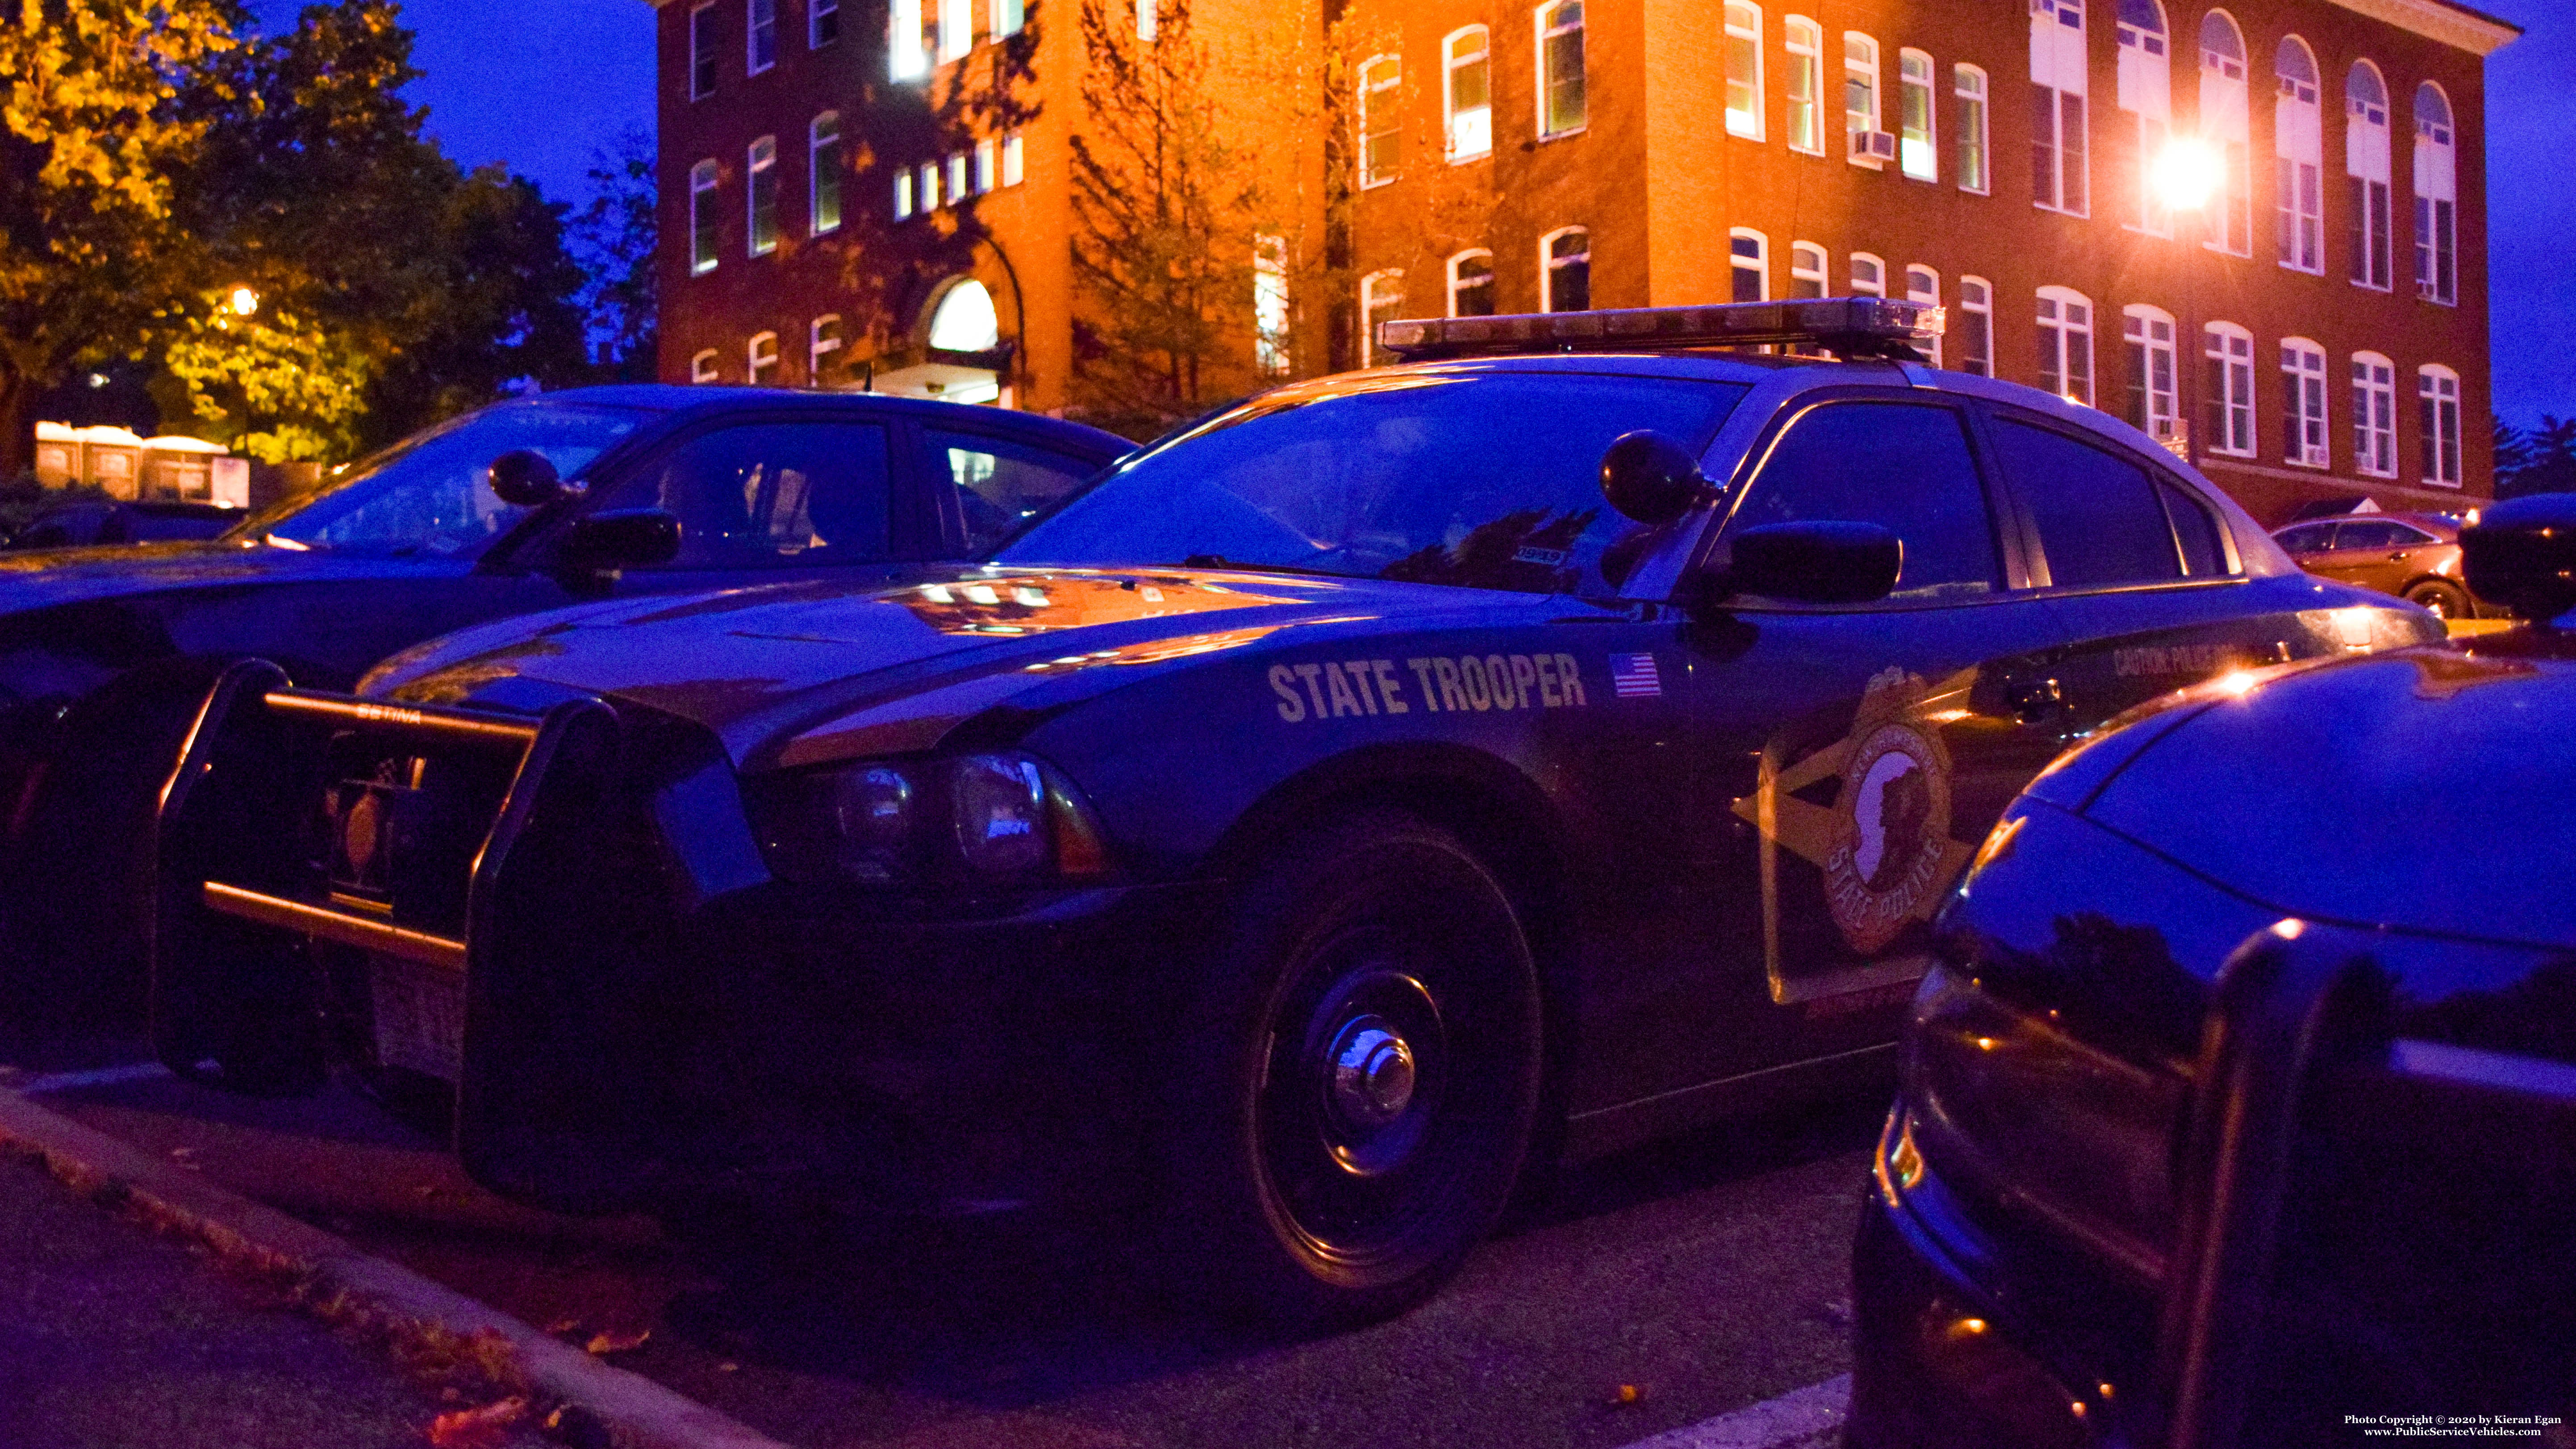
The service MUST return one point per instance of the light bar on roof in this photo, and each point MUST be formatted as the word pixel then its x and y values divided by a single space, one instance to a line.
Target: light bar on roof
pixel 1845 326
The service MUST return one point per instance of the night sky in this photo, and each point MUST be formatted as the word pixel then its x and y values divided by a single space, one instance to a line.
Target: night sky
pixel 542 84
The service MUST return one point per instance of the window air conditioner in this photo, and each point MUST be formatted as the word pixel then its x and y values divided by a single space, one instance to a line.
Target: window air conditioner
pixel 1877 145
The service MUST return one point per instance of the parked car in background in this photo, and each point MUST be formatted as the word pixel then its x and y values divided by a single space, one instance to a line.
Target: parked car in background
pixel 600 493
pixel 90 522
pixel 2415 556
pixel 2240 1112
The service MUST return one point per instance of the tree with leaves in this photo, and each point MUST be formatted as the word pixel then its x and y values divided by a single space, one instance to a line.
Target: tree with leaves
pixel 612 241
pixel 2538 460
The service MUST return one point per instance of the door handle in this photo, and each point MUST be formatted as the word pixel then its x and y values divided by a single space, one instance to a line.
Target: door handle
pixel 2033 698
pixel 2398 557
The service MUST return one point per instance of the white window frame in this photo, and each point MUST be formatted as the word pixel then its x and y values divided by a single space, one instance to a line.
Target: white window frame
pixel 1917 159
pixel 2059 330
pixel 2061 86
pixel 956 29
pixel 703 179
pixel 987 155
pixel 1270 316
pixel 1743 43
pixel 1008 17
pixel 959 182
pixel 2437 393
pixel 1871 73
pixel 819 346
pixel 2368 163
pixel 1467 134
pixel 1803 40
pixel 2152 351
pixel 1923 284
pixel 2437 198
pixel 907 59
pixel 817 12
pixel 2305 441
pixel 2145 96
pixel 702 49
pixel 760 163
pixel 753 360
pixel 1369 112
pixel 759 19
pixel 2374 415
pixel 1470 254
pixel 2225 110
pixel 1548 263
pixel 903 194
pixel 1810 266
pixel 1977 316
pixel 2227 356
pixel 929 187
pixel 1014 160
pixel 2298 149
pixel 1975 98
pixel 1382 290
pixel 1868 273
pixel 1149 20
pixel 1761 259
pixel 1547 31
pixel 703 367
pixel 822 161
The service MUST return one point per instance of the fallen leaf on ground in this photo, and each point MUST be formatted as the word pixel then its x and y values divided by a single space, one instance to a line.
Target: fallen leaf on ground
pixel 605 1341
pixel 480 1428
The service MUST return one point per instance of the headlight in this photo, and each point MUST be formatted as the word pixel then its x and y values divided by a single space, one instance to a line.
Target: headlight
pixel 1001 813
pixel 970 819
pixel 871 809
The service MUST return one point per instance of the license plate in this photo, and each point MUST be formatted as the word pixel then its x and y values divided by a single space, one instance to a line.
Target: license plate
pixel 420 1018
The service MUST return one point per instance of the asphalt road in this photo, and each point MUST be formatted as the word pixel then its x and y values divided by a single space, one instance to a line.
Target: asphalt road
pixel 1709 1273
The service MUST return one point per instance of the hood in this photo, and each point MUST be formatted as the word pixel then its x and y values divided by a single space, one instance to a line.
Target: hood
pixel 792 673
pixel 2418 789
pixel 47 578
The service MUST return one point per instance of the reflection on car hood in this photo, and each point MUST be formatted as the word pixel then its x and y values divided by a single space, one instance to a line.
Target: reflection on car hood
pixel 44 578
pixel 793 672
pixel 2421 789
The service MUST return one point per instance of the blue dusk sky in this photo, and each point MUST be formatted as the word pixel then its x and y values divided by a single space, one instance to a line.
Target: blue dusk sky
pixel 542 84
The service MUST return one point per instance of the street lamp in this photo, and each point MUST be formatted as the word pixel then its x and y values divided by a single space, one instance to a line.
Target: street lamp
pixel 2187 173
pixel 241 301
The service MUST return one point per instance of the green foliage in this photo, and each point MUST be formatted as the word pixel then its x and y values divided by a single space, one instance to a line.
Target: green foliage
pixel 2537 460
pixel 22 498
pixel 613 240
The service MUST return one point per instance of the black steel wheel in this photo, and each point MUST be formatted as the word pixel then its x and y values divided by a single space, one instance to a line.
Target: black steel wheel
pixel 1358 1079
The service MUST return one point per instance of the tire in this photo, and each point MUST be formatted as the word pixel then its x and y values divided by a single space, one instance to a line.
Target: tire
pixel 2443 600
pixel 1355 1081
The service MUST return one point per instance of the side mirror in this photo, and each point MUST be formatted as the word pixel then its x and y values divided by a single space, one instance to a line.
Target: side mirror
pixel 1816 563
pixel 2521 553
pixel 1651 478
pixel 526 477
pixel 619 538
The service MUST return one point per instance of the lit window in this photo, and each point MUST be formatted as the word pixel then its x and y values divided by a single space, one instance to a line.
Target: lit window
pixel 1466 97
pixel 822 23
pixel 824 176
pixel 2061 146
pixel 1976 327
pixel 1270 305
pixel 1471 284
pixel 2303 404
pixel 1381 120
pixel 2146 100
pixel 1805 83
pixel 906 57
pixel 1916 153
pixel 986 155
pixel 929 186
pixel 2437 390
pixel 1860 99
pixel 1744 69
pixel 1565 283
pixel 2147 334
pixel 1868 275
pixel 1148 19
pixel 1381 300
pixel 956 28
pixel 2066 344
pixel 1806 271
pixel 702 218
pixel 2374 415
pixel 1009 16
pixel 760 35
pixel 822 339
pixel 764 196
pixel 1969 85
pixel 762 357
pixel 1560 67
pixel 903 194
pixel 957 191
pixel 1922 284
pixel 2224 123
pixel 702 51
pixel 2366 161
pixel 1013 165
pixel 2298 145
pixel 1749 252
pixel 702 368
pixel 2437 201
pixel 2228 363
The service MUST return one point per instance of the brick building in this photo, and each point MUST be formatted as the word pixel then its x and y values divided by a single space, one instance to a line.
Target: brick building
pixel 2315 330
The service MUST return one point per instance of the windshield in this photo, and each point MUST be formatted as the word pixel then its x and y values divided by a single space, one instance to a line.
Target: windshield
pixel 431 493
pixel 1489 480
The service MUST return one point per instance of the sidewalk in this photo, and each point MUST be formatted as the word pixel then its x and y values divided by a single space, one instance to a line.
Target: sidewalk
pixel 114 1335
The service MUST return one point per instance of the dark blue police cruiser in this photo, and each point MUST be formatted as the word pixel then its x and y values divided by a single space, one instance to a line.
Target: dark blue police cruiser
pixel 2240 1112
pixel 1557 739
pixel 611 491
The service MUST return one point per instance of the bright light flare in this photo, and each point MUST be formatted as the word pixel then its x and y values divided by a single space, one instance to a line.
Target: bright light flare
pixel 2186 173
pixel 241 301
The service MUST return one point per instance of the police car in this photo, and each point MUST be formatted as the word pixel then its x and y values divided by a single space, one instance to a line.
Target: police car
pixel 1551 741
pixel 2240 1109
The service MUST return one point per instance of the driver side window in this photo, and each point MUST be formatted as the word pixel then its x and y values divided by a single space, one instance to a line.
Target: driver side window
pixel 772 495
pixel 1902 465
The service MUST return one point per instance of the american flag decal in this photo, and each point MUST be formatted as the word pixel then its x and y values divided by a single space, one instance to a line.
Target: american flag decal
pixel 1633 676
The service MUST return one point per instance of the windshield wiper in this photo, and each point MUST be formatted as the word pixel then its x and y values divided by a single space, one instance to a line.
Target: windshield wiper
pixel 1220 561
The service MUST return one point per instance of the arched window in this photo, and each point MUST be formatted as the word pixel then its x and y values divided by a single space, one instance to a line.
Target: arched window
pixel 2146 99
pixel 1565 271
pixel 822 339
pixel 1381 300
pixel 2225 124
pixel 2374 415
pixel 1466 93
pixel 1976 326
pixel 2437 198
pixel 1749 257
pixel 823 173
pixel 1471 284
pixel 1918 153
pixel 2303 404
pixel 702 218
pixel 2365 160
pixel 1922 284
pixel 702 367
pixel 1862 109
pixel 1381 119
pixel 1804 85
pixel 762 355
pixel 1868 275
pixel 2066 344
pixel 1806 270
pixel 2147 337
pixel 762 163
pixel 2060 146
pixel 1560 67
pixel 1744 69
pixel 2298 144
pixel 1968 87
pixel 2437 391
pixel 964 319
pixel 2228 357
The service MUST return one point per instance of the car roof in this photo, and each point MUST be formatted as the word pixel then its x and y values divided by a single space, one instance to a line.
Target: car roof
pixel 686 401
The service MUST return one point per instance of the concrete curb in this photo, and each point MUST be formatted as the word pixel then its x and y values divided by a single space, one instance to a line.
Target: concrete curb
pixel 637 1412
